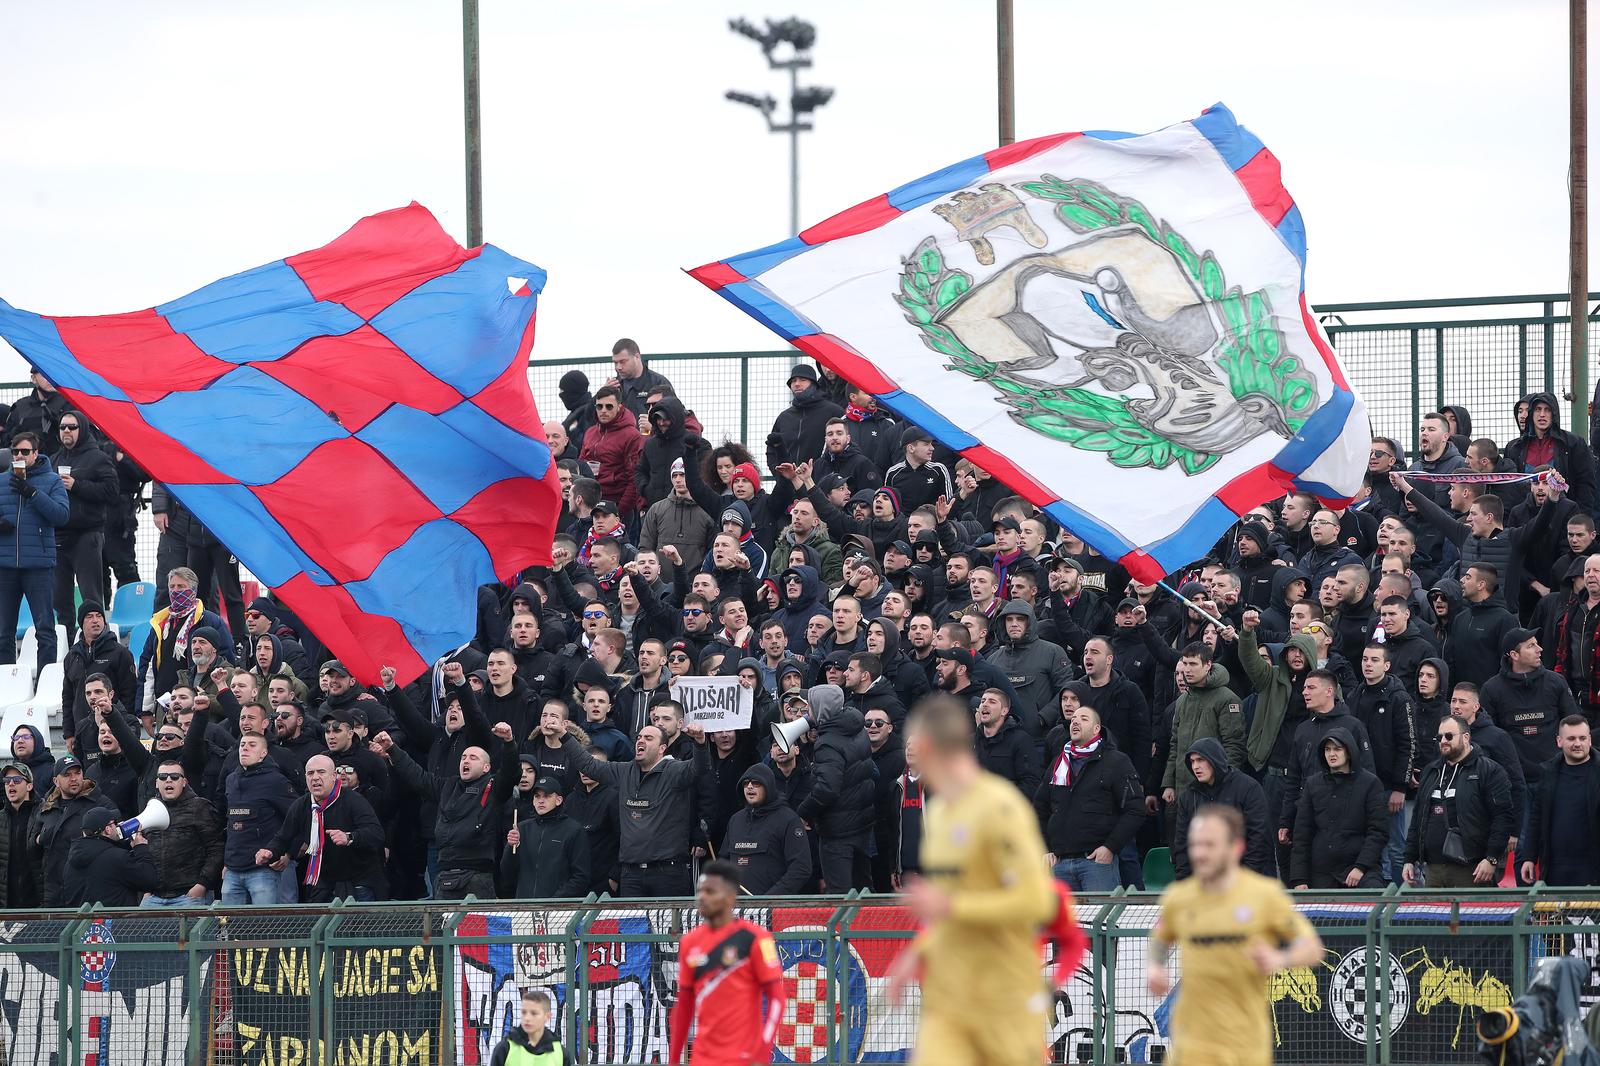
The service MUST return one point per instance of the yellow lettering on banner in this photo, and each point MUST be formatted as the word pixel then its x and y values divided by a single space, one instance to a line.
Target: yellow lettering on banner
pixel 248 1035
pixel 419 1051
pixel 424 971
pixel 291 968
pixel 292 1052
pixel 391 971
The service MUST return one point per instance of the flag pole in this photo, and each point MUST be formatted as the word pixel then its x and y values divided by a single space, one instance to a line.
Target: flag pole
pixel 1004 57
pixel 473 121
pixel 1195 607
pixel 1578 193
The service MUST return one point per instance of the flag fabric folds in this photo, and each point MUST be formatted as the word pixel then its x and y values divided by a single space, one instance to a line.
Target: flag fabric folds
pixel 354 422
pixel 1114 325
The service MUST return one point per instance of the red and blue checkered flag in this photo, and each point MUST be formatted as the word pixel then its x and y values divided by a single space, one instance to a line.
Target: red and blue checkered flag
pixel 354 422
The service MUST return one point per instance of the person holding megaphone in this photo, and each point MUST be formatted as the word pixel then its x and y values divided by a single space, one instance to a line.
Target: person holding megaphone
pixel 103 869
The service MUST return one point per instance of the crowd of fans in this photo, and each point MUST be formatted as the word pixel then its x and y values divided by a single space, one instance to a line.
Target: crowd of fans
pixel 1398 691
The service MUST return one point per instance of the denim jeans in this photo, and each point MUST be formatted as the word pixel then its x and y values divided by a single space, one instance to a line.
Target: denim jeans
pixel 176 901
pixel 259 885
pixel 39 587
pixel 1086 875
pixel 1130 867
pixel 1394 852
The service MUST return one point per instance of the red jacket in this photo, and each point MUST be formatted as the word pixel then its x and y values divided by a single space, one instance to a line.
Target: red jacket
pixel 613 449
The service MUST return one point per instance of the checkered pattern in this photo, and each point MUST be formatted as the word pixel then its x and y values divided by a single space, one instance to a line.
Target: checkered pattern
pixel 803 1032
pixel 354 422
pixel 739 280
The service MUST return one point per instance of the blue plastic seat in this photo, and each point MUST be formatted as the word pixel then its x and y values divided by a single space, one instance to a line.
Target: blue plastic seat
pixel 132 603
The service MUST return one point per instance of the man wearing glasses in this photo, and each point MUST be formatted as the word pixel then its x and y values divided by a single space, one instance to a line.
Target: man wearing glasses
pixel 91 483
pixel 33 503
pixel 21 879
pixel 1384 457
pixel 188 853
pixel 1326 554
pixel 1463 818
pixel 612 446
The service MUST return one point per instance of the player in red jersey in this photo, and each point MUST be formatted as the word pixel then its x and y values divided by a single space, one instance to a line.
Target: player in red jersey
pixel 725 966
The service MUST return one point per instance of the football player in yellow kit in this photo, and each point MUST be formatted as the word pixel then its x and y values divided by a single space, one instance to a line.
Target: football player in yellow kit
pixel 1236 929
pixel 983 898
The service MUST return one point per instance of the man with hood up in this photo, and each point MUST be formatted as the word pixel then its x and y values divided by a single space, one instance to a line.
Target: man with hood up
pixel 800 594
pixel 1341 823
pixel 665 446
pixel 1036 669
pixel 1323 713
pixel 797 433
pixel 30 748
pixel 840 805
pixel 766 840
pixel 1216 780
pixel 1543 441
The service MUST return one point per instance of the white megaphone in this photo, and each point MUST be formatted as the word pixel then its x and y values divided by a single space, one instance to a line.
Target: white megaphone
pixel 787 734
pixel 154 816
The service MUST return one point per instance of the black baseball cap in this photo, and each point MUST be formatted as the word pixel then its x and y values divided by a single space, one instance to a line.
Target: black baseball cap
pixel 66 763
pixel 551 784
pixel 606 507
pixel 959 655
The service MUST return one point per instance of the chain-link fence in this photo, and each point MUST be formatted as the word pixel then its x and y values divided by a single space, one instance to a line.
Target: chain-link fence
pixel 1405 358
pixel 1404 977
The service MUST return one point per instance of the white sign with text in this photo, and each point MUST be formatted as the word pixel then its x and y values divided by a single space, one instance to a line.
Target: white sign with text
pixel 714 703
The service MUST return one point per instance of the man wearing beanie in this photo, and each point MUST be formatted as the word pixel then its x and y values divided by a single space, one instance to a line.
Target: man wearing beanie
pixel 96 651
pixel 917 478
pixel 798 432
pixel 1528 702
pixel 1255 569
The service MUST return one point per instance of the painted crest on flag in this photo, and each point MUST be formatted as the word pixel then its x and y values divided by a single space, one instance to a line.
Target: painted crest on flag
pixel 1121 338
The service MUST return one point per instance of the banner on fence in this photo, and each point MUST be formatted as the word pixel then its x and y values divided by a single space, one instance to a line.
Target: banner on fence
pixel 386 1005
pixel 714 703
pixel 134 1005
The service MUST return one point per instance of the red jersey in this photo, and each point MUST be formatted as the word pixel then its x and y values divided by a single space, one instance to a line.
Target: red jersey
pixel 722 977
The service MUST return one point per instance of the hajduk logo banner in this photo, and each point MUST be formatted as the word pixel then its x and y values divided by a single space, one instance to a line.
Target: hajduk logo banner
pixel 1113 325
pixel 714 703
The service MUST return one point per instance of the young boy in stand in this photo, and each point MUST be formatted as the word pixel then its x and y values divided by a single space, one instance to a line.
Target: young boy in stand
pixel 532 1043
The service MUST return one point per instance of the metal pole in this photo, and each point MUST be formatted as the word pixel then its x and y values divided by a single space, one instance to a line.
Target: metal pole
pixel 1007 71
pixel 474 124
pixel 794 153
pixel 1578 228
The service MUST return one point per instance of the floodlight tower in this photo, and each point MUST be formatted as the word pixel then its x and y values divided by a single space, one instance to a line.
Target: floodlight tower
pixel 787 46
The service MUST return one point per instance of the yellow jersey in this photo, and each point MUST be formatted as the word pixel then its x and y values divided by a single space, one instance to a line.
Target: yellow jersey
pixel 984 848
pixel 1223 1014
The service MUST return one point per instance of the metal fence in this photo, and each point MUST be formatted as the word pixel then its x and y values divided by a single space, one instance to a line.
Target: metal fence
pixel 1403 979
pixel 1406 357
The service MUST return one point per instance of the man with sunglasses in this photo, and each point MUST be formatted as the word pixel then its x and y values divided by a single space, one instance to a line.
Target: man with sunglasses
pixel 612 446
pixel 1463 818
pixel 21 878
pixel 188 853
pixel 33 504
pixel 91 483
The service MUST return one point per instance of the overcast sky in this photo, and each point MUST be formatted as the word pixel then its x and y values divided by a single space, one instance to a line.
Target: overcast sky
pixel 149 148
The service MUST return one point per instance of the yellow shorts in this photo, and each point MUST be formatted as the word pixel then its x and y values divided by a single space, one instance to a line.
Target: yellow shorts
pixel 980 1037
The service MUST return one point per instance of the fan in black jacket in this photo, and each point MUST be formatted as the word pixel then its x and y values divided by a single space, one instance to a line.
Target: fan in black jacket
pixel 343 848
pixel 101 870
pixel 1341 823
pixel 840 804
pixel 547 855
pixel 1090 804
pixel 767 840
pixel 1224 784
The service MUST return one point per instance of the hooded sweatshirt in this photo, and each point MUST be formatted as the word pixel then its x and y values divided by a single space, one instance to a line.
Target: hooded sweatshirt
pixel 798 431
pixel 1036 669
pixel 41 763
pixel 653 478
pixel 1571 456
pixel 768 841
pixel 1237 789
pixel 795 612
pixel 840 803
pixel 1341 821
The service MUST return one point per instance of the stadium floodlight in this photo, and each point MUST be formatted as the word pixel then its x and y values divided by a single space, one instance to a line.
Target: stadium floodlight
pixel 795 37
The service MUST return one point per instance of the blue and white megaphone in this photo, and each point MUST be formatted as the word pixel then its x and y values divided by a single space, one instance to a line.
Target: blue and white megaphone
pixel 154 816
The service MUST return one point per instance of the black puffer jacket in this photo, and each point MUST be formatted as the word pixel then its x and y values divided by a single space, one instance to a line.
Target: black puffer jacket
pixel 466 821
pixel 1482 807
pixel 108 656
pixel 55 827
pixel 1305 754
pixel 768 842
pixel 1529 707
pixel 551 860
pixel 1102 808
pixel 653 477
pixel 1012 754
pixel 94 483
pixel 840 803
pixel 1237 789
pixel 16 858
pixel 1387 712
pixel 107 872
pixel 798 430
pixel 1341 822
pixel 189 851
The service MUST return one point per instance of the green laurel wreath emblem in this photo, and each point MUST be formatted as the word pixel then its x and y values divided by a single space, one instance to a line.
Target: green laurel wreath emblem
pixel 1252 352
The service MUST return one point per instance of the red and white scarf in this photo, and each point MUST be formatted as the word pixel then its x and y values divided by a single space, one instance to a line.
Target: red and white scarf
pixel 1061 772
pixel 619 533
pixel 319 831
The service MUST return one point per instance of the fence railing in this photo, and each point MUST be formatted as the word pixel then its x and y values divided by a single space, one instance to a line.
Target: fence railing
pixel 1407 357
pixel 1404 976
